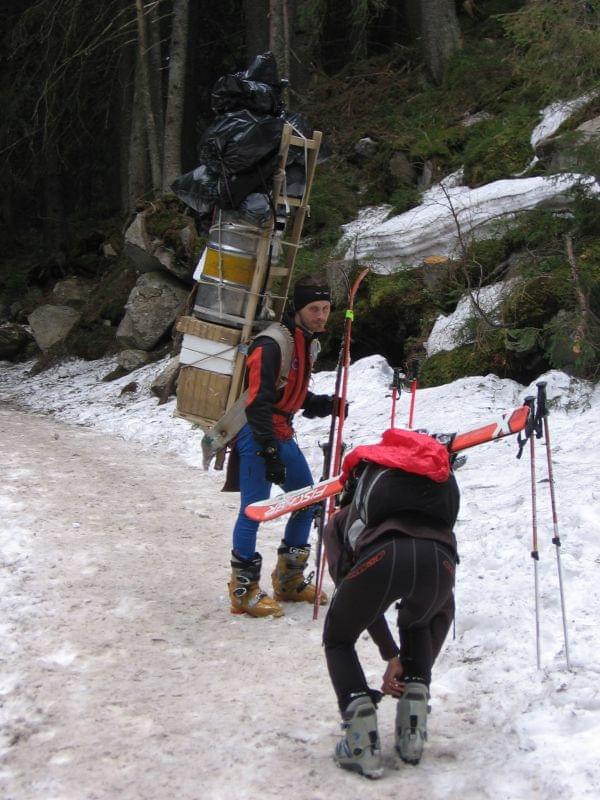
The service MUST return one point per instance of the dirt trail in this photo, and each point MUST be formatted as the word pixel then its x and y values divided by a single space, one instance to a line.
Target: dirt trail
pixel 109 591
pixel 122 673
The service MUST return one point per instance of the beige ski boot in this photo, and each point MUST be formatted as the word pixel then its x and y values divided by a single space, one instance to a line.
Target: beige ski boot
pixel 289 583
pixel 245 594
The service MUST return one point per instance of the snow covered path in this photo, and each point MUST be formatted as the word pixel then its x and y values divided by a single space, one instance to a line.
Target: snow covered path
pixel 123 675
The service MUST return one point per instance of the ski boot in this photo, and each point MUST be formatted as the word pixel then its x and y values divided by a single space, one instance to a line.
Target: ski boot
pixel 289 583
pixel 245 594
pixel 360 749
pixel 411 722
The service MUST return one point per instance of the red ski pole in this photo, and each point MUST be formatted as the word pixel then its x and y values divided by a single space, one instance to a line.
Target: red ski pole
pixel 530 432
pixel 341 410
pixel 413 392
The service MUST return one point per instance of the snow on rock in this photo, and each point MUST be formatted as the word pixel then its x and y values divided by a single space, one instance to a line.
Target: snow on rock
pixel 555 114
pixel 432 229
pixel 450 331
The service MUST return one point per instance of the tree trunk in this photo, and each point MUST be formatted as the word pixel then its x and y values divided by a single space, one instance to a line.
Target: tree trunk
pixel 143 83
pixel 175 94
pixel 137 176
pixel 439 33
pixel 256 13
pixel 279 43
pixel 54 212
pixel 155 70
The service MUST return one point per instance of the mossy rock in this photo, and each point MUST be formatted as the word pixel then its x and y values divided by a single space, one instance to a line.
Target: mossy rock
pixel 462 362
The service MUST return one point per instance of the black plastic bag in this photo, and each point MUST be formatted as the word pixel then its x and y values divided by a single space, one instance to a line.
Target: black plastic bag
pixel 198 189
pixel 302 127
pixel 234 189
pixel 231 93
pixel 239 140
pixel 258 88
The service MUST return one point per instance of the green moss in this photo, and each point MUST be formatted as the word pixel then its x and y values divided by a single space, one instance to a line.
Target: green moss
pixel 499 147
pixel 465 361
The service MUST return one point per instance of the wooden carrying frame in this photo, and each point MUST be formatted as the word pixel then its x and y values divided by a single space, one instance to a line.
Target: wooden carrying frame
pixel 263 274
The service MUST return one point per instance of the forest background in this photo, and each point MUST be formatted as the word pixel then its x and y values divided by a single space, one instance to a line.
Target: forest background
pixel 104 103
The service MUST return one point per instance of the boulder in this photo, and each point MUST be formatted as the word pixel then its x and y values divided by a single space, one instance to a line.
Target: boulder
pixel 365 147
pixel 561 153
pixel 164 383
pixel 52 324
pixel 130 360
pixel 138 246
pixel 151 309
pixel 72 292
pixel 13 340
pixel 401 169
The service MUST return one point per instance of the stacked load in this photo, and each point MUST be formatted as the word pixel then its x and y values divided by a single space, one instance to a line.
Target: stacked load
pixel 232 192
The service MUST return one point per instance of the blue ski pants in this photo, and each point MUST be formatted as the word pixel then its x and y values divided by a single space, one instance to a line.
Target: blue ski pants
pixel 254 486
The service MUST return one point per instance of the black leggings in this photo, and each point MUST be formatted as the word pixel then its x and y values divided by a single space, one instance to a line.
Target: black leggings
pixel 420 572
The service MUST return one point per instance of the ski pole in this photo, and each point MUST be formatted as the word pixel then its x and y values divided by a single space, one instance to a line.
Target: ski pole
pixel 395 395
pixel 327 448
pixel 542 413
pixel 530 434
pixel 341 414
pixel 413 391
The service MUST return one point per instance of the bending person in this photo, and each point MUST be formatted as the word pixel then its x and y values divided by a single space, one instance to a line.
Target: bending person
pixel 393 540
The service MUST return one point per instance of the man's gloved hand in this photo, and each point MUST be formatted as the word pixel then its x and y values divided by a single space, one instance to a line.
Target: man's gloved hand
pixel 274 466
pixel 321 405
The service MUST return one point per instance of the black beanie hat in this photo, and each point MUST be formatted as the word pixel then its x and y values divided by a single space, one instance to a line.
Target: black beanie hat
pixel 303 295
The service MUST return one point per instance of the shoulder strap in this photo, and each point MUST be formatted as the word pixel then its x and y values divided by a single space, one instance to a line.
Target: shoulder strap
pixel 234 419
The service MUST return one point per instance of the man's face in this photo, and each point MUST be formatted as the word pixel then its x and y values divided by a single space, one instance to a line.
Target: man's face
pixel 314 316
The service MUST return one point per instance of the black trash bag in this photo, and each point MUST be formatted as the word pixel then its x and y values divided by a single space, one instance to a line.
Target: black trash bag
pixel 295 180
pixel 264 70
pixel 256 209
pixel 239 140
pixel 258 88
pixel 233 189
pixel 302 127
pixel 231 93
pixel 199 189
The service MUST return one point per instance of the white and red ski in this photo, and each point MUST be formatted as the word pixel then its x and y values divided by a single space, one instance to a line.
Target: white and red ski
pixel 274 507
pixel 264 510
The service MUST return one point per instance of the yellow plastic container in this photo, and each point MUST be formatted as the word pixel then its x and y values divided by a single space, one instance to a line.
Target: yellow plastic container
pixel 229 265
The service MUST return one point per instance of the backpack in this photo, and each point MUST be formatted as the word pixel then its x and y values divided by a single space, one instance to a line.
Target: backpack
pixel 233 420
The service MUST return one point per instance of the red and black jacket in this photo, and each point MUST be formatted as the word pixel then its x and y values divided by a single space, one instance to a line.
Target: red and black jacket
pixel 270 409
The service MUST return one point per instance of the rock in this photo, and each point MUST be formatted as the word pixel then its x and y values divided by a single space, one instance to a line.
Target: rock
pixel 51 324
pixel 426 176
pixel 129 388
pixel 561 153
pixel 138 246
pixel 401 168
pixel 72 292
pixel 130 360
pixel 435 271
pixel 13 340
pixel 365 147
pixel 163 386
pixel 152 307
pixel 474 119
pixel 108 250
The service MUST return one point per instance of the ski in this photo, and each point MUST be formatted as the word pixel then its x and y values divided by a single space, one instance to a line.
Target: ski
pixel 507 424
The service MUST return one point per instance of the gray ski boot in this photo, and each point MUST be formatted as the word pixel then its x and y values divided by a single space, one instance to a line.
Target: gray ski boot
pixel 360 750
pixel 411 722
